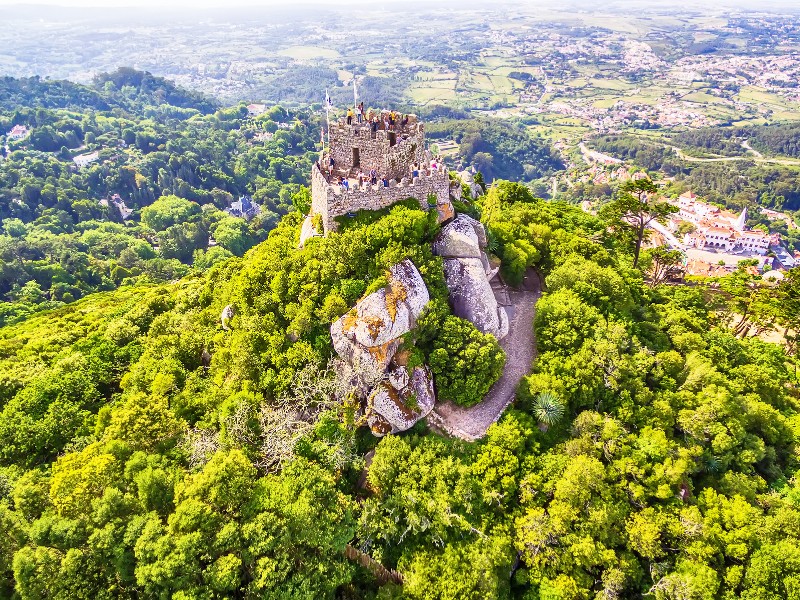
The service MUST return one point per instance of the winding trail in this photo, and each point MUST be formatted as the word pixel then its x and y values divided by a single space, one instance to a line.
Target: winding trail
pixel 520 346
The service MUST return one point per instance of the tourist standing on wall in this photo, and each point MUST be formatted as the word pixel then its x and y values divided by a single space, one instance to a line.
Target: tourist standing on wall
pixel 349 116
pixel 361 112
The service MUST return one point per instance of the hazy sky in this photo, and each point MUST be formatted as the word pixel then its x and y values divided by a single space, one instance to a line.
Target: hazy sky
pixel 167 4
pixel 175 3
pixel 564 4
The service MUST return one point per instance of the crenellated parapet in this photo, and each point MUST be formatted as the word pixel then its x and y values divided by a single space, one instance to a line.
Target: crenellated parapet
pixel 389 153
pixel 332 200
pixel 396 154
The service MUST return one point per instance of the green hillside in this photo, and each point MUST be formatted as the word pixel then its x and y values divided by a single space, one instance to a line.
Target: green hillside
pixel 146 452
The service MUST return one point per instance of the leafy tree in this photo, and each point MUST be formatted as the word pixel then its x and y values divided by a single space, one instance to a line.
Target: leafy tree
pixel 168 211
pixel 634 209
pixel 465 362
pixel 662 264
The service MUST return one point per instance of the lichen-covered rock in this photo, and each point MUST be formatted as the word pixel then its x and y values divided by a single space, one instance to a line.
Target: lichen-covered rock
pixel 369 334
pixel 445 211
pixel 401 400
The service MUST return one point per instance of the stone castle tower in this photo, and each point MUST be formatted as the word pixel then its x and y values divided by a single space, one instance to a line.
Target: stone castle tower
pixel 395 156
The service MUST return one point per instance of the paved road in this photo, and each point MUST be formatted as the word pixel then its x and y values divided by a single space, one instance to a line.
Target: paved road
pixel 777 161
pixel 520 346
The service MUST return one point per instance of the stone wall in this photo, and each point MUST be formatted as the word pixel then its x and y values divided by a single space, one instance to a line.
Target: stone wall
pixel 375 149
pixel 332 201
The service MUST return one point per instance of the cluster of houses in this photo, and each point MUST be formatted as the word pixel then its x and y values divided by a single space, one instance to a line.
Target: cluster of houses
pixel 117 201
pixel 719 229
pixel 17 133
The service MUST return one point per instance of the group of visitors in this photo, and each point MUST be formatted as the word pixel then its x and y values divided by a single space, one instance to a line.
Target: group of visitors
pixel 391 121
pixel 416 169
pixel 363 181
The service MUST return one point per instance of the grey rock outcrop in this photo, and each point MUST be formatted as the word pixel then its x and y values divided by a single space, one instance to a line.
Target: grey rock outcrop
pixel 400 400
pixel 468 180
pixel 370 333
pixel 463 237
pixel 307 231
pixel 225 317
pixel 467 271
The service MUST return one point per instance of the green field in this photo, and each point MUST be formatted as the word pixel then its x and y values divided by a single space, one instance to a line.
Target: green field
pixel 309 52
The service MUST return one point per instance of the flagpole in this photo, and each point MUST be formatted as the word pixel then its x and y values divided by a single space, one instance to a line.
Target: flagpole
pixel 355 94
pixel 328 115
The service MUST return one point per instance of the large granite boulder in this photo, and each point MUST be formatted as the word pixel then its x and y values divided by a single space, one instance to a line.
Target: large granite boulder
pixel 467 271
pixel 471 296
pixel 463 237
pixel 370 333
pixel 400 400
pixel 469 181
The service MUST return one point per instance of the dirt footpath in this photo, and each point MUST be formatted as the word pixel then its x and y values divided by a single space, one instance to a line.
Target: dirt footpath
pixel 520 346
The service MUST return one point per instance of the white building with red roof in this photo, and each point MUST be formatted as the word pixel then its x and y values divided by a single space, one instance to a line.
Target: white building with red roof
pixel 719 229
pixel 18 132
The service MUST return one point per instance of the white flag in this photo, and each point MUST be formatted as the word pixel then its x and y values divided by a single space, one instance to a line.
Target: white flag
pixel 328 103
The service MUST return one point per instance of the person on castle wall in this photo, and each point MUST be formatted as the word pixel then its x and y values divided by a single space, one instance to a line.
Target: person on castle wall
pixel 385 182
pixel 360 112
pixel 374 125
pixel 373 177
pixel 331 165
pixel 349 116
pixel 414 171
pixel 386 123
pixel 392 120
pixel 404 122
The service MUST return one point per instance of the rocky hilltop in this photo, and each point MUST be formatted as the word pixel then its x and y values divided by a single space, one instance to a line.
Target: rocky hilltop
pixel 370 336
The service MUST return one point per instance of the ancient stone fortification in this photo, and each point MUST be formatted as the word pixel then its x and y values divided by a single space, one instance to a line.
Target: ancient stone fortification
pixel 392 154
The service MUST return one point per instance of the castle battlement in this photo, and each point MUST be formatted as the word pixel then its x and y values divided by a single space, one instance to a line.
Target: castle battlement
pixel 393 154
pixel 331 201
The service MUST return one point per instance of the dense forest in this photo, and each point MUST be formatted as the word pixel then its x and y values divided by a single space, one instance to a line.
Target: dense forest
pixel 772 138
pixel 125 88
pixel 498 149
pixel 150 450
pixel 147 452
pixel 158 150
pixel 735 184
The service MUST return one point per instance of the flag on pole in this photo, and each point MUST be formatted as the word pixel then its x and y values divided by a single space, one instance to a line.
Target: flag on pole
pixel 328 106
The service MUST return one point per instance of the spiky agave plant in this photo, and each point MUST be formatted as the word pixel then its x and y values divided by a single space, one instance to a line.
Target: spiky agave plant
pixel 549 409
